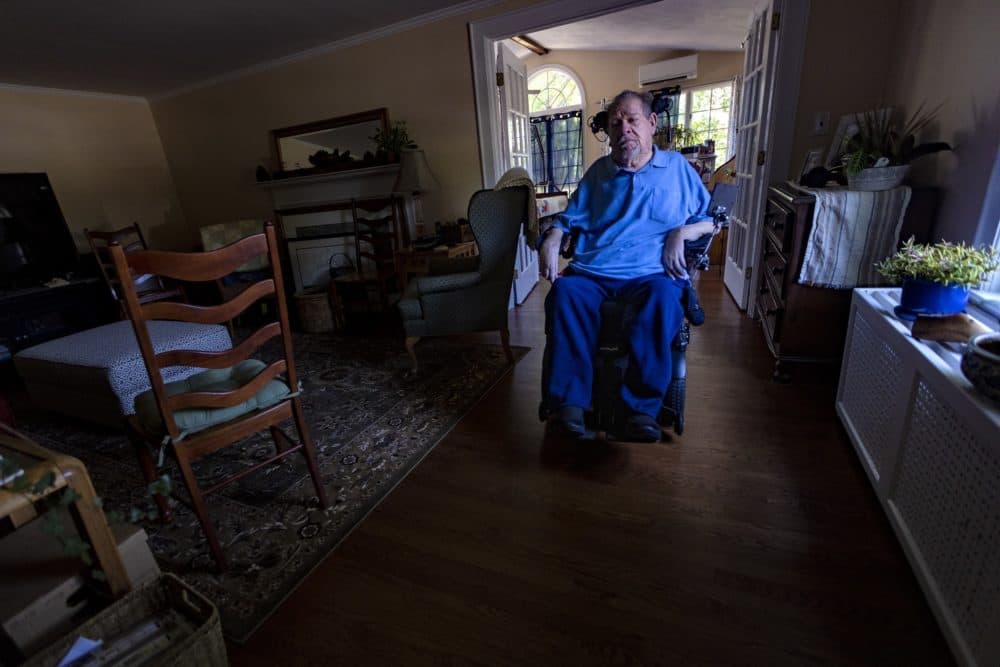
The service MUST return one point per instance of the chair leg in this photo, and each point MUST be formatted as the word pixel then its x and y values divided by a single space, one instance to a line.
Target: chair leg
pixel 198 502
pixel 149 474
pixel 280 443
pixel 308 451
pixel 411 345
pixel 505 341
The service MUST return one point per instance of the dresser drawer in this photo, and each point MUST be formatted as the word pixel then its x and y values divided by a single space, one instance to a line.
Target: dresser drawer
pixel 778 223
pixel 774 267
pixel 770 310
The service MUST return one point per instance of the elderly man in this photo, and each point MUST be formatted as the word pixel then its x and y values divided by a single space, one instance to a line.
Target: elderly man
pixel 633 211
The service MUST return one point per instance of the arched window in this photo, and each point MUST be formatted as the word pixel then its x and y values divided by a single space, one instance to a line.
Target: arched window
pixel 555 102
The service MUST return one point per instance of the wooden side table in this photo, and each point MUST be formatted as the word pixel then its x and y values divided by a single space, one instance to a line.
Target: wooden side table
pixel 20 508
pixel 410 260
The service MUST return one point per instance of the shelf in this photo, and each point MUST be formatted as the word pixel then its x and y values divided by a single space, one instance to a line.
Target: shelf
pixel 342 175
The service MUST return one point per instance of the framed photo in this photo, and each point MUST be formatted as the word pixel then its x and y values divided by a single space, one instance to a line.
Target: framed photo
pixel 847 128
pixel 814 158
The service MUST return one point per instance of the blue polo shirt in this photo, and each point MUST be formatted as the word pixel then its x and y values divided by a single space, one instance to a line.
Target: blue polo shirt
pixel 623 216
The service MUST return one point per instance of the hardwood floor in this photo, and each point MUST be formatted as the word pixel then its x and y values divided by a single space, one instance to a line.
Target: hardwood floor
pixel 755 539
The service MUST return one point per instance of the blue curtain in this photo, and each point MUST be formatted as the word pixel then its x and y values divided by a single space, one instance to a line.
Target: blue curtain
pixel 557 151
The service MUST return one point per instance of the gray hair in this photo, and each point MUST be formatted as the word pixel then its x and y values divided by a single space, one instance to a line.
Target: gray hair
pixel 645 99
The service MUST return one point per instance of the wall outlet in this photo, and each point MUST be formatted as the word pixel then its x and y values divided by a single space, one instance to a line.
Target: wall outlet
pixel 821 122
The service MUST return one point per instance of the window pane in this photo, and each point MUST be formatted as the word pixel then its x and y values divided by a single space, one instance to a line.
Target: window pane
pixel 700 100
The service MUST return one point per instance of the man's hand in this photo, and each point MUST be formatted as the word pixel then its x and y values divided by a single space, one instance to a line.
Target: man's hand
pixel 673 254
pixel 673 247
pixel 548 254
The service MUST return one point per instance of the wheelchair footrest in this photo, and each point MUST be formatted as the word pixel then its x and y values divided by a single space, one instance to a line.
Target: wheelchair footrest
pixel 672 413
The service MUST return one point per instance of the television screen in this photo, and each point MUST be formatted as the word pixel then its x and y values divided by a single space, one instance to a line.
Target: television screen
pixel 35 243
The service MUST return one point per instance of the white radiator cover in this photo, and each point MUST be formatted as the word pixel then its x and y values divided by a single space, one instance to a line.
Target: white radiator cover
pixel 931 447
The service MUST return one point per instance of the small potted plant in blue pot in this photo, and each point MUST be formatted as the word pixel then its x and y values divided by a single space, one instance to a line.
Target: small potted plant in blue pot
pixel 936 278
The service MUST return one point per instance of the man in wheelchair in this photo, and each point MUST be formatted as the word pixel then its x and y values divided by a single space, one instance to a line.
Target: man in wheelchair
pixel 632 213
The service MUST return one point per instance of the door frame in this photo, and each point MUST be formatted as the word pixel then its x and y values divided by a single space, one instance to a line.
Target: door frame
pixel 482 35
pixel 785 92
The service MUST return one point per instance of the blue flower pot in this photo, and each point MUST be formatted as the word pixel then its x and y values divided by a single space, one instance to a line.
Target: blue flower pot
pixel 923 297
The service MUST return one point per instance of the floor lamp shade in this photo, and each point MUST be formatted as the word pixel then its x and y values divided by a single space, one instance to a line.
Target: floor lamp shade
pixel 414 174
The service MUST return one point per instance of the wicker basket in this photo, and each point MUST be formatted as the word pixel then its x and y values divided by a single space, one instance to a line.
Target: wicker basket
pixel 315 314
pixel 203 647
pixel 878 178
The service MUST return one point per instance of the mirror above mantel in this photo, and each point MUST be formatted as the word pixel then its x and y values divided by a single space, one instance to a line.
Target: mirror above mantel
pixel 335 144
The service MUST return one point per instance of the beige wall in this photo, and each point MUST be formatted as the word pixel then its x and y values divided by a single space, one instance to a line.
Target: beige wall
pixel 604 74
pixel 903 54
pixel 103 157
pixel 946 52
pixel 845 66
pixel 215 137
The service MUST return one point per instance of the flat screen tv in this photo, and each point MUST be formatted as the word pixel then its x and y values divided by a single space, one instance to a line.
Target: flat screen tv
pixel 35 242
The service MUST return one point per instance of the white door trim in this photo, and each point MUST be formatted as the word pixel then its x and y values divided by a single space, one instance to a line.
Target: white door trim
pixel 483 33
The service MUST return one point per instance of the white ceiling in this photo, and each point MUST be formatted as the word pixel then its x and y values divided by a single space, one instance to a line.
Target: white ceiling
pixel 134 47
pixel 705 25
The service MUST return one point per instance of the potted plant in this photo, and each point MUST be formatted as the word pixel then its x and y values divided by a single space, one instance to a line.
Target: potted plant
pixel 878 156
pixel 936 278
pixel 392 141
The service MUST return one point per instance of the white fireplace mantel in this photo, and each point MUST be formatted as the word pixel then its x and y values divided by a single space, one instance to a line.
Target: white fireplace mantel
pixel 332 188
pixel 322 201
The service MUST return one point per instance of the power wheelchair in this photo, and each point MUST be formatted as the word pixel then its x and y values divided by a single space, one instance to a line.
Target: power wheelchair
pixel 607 412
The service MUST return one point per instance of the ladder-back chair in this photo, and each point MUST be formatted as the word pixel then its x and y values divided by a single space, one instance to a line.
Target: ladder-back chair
pixel 236 396
pixel 149 287
pixel 378 236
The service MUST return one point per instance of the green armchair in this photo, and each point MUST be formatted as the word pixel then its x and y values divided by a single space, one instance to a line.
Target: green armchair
pixel 463 296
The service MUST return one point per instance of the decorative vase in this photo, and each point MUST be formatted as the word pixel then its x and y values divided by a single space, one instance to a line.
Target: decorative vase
pixel 874 179
pixel 981 364
pixel 924 297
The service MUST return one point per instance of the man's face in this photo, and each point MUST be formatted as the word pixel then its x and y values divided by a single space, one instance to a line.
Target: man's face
pixel 631 133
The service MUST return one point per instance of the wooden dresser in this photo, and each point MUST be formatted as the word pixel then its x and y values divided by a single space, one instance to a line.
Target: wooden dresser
pixel 803 323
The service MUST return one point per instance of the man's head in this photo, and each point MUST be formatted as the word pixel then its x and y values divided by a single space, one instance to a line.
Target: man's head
pixel 631 124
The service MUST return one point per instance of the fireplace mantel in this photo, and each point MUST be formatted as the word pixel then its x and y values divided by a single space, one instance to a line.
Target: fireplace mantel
pixel 332 187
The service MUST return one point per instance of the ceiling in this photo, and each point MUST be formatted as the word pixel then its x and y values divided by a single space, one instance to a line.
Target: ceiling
pixel 717 25
pixel 131 47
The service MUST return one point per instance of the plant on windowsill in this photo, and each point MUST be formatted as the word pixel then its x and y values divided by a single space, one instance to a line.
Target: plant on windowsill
pixel 878 156
pixel 936 278
pixel 391 142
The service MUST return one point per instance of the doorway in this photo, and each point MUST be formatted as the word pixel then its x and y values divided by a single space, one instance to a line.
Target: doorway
pixel 784 95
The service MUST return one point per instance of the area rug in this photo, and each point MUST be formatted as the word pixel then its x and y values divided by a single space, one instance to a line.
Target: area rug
pixel 372 421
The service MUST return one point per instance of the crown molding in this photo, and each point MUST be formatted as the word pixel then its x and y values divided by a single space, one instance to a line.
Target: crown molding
pixel 65 92
pixel 354 40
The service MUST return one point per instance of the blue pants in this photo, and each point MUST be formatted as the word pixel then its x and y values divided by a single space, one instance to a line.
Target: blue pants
pixel 573 312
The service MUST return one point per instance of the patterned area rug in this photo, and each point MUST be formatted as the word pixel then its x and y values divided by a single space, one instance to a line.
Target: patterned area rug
pixel 372 421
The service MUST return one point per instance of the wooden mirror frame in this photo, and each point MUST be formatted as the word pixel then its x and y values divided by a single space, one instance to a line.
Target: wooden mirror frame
pixel 381 115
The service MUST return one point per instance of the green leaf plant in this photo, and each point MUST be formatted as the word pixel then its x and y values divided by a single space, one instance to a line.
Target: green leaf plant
pixel 944 262
pixel 394 139
pixel 879 137
pixel 53 523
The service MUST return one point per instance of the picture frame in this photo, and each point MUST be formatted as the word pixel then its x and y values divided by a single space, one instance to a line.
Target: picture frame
pixel 847 127
pixel 813 159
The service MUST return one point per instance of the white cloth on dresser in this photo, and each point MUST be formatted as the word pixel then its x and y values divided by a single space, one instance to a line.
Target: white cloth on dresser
pixel 852 230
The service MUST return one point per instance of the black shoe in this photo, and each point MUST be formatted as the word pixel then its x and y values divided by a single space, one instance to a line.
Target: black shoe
pixel 642 428
pixel 570 421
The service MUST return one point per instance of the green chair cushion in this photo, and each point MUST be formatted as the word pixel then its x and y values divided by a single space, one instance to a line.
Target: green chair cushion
pixel 192 420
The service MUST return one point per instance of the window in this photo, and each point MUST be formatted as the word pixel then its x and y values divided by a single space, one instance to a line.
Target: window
pixel 555 102
pixel 704 111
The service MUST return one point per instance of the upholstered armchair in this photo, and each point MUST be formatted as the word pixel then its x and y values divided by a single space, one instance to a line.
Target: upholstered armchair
pixel 474 295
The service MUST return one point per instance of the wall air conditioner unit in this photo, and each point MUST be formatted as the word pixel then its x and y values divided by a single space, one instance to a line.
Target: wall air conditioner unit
pixel 674 69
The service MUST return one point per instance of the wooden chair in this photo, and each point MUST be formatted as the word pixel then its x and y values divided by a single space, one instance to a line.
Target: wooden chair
pixel 236 396
pixel 149 287
pixel 378 236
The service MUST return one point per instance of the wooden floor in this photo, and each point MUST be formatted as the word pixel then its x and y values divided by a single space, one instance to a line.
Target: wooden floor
pixel 755 539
